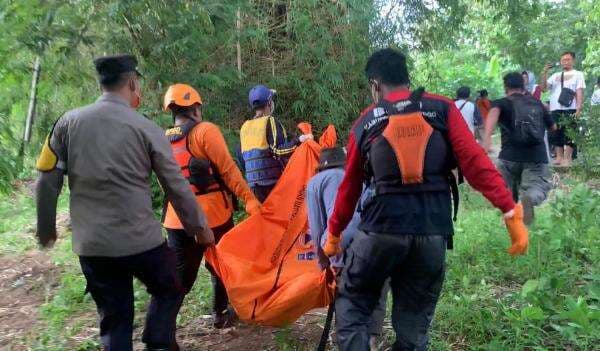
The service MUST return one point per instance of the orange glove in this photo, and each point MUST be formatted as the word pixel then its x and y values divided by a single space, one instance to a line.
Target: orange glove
pixel 253 207
pixel 518 232
pixel 332 245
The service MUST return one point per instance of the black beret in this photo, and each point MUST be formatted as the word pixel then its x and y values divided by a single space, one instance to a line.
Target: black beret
pixel 111 66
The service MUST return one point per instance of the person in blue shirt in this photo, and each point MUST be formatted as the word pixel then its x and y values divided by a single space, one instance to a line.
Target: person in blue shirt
pixel 320 196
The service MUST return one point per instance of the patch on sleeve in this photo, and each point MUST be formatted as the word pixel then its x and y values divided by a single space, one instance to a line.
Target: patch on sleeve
pixel 48 159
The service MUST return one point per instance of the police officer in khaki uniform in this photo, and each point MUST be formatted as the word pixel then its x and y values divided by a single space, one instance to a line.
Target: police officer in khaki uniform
pixel 108 151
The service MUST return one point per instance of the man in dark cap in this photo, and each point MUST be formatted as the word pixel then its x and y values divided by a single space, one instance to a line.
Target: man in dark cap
pixel 320 198
pixel 108 151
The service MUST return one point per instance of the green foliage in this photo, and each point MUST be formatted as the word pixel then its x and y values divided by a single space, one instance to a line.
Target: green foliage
pixel 312 52
pixel 545 300
pixel 287 342
pixel 17 220
pixel 444 72
pixel 592 24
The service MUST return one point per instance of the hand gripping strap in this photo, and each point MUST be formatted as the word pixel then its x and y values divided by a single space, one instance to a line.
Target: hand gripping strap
pixel 408 135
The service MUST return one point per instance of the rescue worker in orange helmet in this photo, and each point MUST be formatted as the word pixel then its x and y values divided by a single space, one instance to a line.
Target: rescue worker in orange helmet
pixel 200 150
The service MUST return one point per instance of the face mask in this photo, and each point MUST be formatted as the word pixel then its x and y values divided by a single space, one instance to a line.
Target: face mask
pixel 136 100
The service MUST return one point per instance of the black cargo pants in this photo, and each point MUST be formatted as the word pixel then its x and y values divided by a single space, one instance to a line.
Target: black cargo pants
pixel 526 179
pixel 189 256
pixel 416 266
pixel 110 282
pixel 262 191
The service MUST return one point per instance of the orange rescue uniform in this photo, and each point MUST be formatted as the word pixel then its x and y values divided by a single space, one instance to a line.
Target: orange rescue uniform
pixel 205 141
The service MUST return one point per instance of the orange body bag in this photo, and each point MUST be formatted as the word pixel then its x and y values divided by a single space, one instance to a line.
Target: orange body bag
pixel 267 262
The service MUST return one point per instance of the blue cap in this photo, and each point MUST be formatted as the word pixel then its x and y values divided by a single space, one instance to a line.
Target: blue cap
pixel 260 96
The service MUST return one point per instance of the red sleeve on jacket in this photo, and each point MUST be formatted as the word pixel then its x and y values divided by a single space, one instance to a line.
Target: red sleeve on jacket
pixel 349 191
pixel 475 165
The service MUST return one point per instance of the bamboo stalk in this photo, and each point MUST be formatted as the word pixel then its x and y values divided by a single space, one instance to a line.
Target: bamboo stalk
pixel 32 100
pixel 272 65
pixel 238 25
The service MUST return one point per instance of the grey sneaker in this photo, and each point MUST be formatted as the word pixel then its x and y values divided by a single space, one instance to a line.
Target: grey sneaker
pixel 528 212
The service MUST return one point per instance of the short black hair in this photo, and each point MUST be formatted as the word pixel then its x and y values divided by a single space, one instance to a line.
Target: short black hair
pixel 259 107
pixel 483 93
pixel 463 93
pixel 598 80
pixel 185 111
pixel 514 80
pixel 112 82
pixel 388 66
pixel 568 53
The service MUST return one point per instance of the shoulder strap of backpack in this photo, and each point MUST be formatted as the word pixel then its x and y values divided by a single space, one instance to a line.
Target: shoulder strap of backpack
pixel 188 132
pixel 463 105
pixel 562 79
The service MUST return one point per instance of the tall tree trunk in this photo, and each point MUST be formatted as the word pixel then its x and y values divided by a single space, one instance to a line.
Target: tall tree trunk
pixel 30 112
pixel 32 100
pixel 238 26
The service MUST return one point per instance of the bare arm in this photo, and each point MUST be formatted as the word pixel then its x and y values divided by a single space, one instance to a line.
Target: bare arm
pixel 544 81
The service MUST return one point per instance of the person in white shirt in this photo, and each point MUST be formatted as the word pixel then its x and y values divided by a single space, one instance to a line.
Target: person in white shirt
pixel 596 94
pixel 566 101
pixel 468 109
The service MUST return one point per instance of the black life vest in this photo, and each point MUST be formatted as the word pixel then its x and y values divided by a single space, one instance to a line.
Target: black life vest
pixel 200 172
pixel 406 149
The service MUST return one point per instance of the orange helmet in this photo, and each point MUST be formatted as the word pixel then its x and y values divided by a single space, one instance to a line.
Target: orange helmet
pixel 181 95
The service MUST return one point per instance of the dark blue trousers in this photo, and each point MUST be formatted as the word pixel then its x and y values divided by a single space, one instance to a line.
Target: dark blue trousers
pixel 416 266
pixel 110 282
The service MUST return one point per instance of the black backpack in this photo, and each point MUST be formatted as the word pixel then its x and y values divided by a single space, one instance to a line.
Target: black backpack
pixel 528 120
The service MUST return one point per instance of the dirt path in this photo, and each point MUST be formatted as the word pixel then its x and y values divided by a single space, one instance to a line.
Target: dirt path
pixel 304 334
pixel 25 283
pixel 29 280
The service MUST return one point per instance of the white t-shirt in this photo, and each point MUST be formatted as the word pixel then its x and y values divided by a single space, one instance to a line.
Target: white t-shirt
pixel 573 80
pixel 468 113
pixel 596 97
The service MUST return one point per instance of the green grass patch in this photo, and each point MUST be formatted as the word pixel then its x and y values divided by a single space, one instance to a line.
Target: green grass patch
pixel 547 300
pixel 18 220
